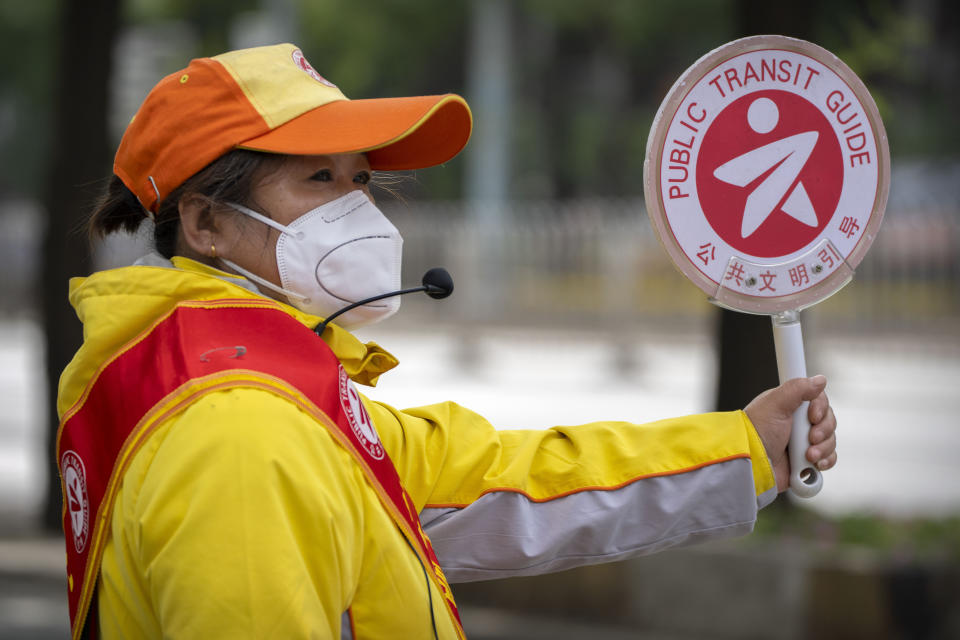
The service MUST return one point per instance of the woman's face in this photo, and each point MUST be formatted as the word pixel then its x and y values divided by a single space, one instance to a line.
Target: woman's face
pixel 301 184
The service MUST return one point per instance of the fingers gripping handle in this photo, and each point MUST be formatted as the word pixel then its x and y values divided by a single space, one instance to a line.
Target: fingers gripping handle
pixel 805 479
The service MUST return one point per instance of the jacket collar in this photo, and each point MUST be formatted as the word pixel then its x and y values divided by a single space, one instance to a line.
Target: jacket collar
pixel 117 304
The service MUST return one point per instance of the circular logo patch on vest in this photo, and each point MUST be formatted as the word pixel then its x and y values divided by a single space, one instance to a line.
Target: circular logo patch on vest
pixel 359 419
pixel 78 503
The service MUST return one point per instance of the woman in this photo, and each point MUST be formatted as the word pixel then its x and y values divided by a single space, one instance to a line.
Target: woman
pixel 222 475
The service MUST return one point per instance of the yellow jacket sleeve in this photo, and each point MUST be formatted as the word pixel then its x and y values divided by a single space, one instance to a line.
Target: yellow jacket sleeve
pixel 519 502
pixel 238 519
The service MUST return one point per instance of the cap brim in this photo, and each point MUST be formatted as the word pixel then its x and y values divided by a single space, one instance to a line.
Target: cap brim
pixel 395 133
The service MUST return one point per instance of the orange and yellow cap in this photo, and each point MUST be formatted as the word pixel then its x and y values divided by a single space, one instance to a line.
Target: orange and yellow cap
pixel 270 99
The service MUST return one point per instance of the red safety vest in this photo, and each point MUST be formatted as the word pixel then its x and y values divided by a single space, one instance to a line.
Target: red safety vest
pixel 198 348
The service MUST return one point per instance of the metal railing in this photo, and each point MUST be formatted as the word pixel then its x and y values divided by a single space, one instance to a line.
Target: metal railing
pixel 595 263
pixel 598 262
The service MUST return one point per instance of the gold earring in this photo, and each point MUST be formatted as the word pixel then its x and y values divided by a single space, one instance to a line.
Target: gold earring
pixel 213 251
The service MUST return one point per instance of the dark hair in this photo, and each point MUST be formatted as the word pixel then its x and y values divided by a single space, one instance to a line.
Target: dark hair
pixel 230 177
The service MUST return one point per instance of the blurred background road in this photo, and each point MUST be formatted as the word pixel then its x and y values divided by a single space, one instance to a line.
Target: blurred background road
pixel 566 308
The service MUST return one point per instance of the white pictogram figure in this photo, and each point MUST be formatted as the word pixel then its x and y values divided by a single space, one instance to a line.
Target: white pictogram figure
pixel 788 155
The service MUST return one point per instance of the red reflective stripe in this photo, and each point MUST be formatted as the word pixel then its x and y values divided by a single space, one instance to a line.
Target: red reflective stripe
pixel 198 348
pixel 614 487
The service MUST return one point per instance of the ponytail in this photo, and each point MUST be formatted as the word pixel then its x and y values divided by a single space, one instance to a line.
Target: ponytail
pixel 117 209
pixel 230 178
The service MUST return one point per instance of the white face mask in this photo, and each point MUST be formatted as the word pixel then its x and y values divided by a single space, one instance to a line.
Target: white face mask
pixel 341 252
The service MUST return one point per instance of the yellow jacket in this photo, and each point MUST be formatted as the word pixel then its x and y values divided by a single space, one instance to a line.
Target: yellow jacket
pixel 242 518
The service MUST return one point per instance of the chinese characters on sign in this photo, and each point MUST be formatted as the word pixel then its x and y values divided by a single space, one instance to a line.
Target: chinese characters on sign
pixel 736 273
pixel 798 276
pixel 707 253
pixel 756 278
pixel 768 279
pixel 849 226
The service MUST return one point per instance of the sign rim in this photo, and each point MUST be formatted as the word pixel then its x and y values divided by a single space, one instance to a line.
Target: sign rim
pixel 653 194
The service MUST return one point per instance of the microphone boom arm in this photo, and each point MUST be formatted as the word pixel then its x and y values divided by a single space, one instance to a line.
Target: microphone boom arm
pixel 437 283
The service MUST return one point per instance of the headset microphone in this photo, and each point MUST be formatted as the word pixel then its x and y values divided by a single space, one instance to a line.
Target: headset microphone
pixel 436 283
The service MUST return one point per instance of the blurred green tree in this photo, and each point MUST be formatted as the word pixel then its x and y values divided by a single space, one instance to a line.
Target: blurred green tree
pixel 27 50
pixel 392 48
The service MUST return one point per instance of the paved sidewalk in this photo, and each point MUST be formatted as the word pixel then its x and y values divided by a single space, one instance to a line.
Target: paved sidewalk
pixel 33 590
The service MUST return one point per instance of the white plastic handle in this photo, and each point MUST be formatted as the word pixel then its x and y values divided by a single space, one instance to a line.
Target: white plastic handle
pixel 805 479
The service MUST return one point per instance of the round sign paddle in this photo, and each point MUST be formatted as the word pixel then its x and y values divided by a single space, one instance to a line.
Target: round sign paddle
pixel 766 178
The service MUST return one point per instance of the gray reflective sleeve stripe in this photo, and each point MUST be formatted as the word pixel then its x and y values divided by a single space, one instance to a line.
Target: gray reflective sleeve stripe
pixel 767 497
pixel 506 534
pixel 346 629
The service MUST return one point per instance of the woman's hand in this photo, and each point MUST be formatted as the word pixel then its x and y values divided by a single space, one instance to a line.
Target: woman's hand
pixel 772 415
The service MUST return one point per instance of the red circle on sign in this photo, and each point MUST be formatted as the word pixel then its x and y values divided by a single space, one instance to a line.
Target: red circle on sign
pixel 769 173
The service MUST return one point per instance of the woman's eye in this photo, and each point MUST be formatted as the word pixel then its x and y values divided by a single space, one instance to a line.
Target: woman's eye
pixel 323 175
pixel 362 178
